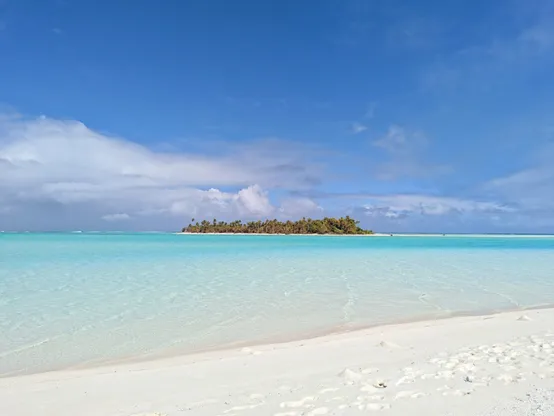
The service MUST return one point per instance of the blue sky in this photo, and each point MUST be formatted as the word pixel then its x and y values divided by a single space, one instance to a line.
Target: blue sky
pixel 411 116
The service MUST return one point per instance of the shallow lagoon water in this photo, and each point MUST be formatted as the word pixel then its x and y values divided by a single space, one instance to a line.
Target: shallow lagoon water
pixel 89 298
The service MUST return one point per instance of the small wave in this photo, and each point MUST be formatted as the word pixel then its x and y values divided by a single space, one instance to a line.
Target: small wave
pixel 22 348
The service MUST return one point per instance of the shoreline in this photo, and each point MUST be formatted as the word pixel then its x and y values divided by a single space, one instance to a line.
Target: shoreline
pixel 376 234
pixel 274 342
pixel 280 234
pixel 380 235
pixel 252 380
pixel 344 330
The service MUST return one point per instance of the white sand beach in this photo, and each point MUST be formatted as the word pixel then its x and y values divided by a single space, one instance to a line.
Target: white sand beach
pixel 380 234
pixel 500 364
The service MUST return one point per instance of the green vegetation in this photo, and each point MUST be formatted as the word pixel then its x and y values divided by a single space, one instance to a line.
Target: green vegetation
pixel 326 225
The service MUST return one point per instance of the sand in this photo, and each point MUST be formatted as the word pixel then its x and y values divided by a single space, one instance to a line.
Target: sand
pixel 490 365
pixel 384 235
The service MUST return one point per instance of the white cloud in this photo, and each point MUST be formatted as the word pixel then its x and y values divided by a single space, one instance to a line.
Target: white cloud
pixel 357 128
pixel 64 163
pixel 116 217
pixel 532 42
pixel 398 140
pixel 499 58
pixel 401 206
pixel 430 213
pixel 405 150
pixel 370 112
pixel 540 36
pixel 254 200
pixel 296 207
pixel 382 211
pixel 68 154
pixel 532 188
pixel 416 32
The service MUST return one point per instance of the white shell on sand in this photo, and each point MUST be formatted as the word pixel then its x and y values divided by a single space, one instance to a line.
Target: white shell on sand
pixel 350 375
pixel 523 318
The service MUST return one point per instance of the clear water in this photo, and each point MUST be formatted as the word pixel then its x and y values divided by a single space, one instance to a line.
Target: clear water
pixel 74 299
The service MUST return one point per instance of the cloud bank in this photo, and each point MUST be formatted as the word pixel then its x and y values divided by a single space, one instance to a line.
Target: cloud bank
pixel 62 175
pixel 62 170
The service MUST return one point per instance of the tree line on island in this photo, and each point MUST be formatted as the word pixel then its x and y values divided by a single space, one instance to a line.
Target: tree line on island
pixel 343 225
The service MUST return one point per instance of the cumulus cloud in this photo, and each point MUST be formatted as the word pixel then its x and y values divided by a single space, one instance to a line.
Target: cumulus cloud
pixel 296 207
pixel 60 164
pixel 252 201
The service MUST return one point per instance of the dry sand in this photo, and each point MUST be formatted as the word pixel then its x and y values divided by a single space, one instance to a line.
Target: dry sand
pixel 491 365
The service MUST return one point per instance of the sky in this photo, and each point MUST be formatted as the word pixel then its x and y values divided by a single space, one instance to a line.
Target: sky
pixel 428 116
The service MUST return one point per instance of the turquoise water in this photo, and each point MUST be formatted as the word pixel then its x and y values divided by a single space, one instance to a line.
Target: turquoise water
pixel 84 299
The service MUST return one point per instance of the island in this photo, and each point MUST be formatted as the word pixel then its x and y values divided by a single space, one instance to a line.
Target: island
pixel 334 226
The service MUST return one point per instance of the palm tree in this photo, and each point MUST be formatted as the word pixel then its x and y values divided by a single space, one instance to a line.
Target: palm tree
pixel 305 225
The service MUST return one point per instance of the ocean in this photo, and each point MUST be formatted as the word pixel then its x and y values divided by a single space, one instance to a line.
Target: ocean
pixel 84 299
